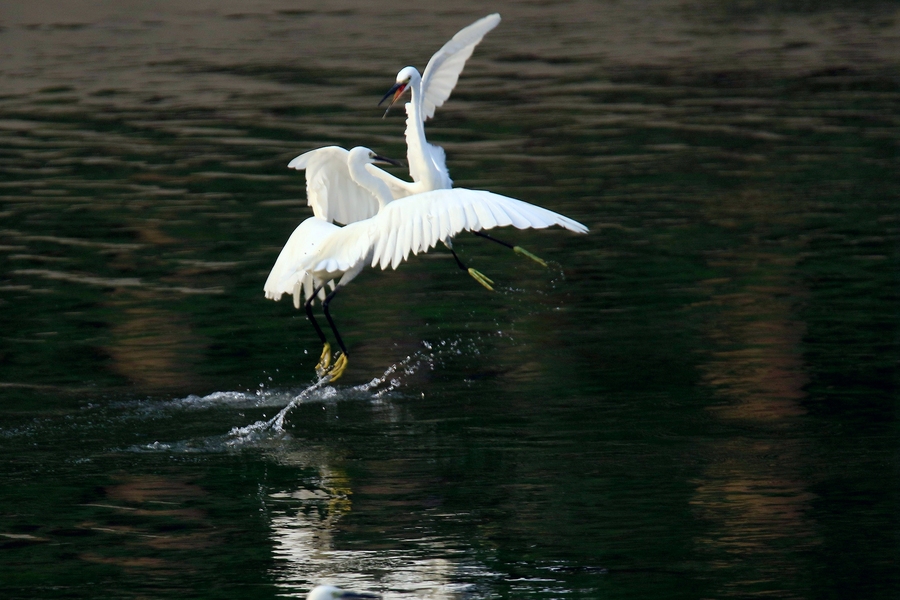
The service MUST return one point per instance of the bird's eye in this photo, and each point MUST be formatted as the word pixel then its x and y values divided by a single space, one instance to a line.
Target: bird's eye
pixel 371 155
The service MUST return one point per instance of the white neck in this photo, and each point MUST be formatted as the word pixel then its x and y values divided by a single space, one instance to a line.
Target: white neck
pixel 359 172
pixel 416 143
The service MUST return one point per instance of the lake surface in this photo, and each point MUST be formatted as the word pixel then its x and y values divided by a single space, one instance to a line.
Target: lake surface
pixel 697 399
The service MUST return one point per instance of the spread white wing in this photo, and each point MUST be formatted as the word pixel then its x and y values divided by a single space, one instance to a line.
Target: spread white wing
pixel 330 191
pixel 288 275
pixel 442 71
pixel 345 250
pixel 417 223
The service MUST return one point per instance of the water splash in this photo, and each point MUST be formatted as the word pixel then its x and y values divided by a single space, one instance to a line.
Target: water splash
pixel 376 389
pixel 252 432
pixel 268 430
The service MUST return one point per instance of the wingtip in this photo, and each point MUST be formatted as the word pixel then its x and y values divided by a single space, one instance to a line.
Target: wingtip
pixel 579 228
pixel 492 20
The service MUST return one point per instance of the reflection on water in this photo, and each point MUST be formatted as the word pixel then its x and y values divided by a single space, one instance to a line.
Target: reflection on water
pixel 698 399
pixel 148 347
pixel 756 495
pixel 303 523
pixel 148 515
pixel 759 368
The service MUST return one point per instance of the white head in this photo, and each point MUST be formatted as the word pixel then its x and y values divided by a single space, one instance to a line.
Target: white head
pixel 360 155
pixel 358 162
pixel 407 74
pixel 407 78
pixel 329 592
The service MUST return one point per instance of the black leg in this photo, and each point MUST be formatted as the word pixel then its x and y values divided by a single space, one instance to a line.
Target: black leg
pixel 476 275
pixel 309 315
pixel 516 249
pixel 493 239
pixel 337 335
pixel 456 258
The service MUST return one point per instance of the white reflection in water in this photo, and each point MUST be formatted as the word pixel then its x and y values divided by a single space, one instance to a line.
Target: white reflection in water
pixel 303 526
pixel 304 521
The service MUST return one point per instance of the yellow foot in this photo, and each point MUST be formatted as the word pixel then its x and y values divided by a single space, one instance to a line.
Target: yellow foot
pixel 524 252
pixel 340 365
pixel 481 278
pixel 324 361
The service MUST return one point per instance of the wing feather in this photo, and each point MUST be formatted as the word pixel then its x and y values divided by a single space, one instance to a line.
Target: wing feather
pixel 472 221
pixel 445 219
pixel 417 223
pixel 485 216
pixel 341 251
pixel 417 227
pixel 442 71
pixel 391 241
pixel 288 274
pixel 330 191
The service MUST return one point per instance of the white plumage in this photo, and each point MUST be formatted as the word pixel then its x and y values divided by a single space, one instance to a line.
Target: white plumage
pixel 330 191
pixel 428 91
pixel 335 251
pixel 417 223
pixel 385 218
pixel 442 71
pixel 318 251
pixel 285 278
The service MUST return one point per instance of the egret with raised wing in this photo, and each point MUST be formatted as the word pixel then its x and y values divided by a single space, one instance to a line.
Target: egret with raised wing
pixel 428 91
pixel 327 177
pixel 331 193
pixel 427 162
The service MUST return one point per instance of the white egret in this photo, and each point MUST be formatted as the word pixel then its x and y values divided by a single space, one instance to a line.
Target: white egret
pixel 407 225
pixel 329 190
pixel 428 91
pixel 427 162
pixel 330 592
pixel 285 276
pixel 331 193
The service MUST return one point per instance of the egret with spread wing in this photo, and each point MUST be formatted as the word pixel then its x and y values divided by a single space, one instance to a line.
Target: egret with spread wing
pixel 287 276
pixel 427 162
pixel 329 190
pixel 407 225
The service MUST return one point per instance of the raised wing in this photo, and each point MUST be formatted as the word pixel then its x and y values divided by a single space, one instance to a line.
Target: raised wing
pixel 417 223
pixel 442 71
pixel 330 191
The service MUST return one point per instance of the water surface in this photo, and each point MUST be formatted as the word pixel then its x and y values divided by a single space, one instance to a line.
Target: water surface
pixel 698 399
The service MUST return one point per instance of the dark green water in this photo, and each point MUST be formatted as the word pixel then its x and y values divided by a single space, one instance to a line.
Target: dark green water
pixel 698 399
